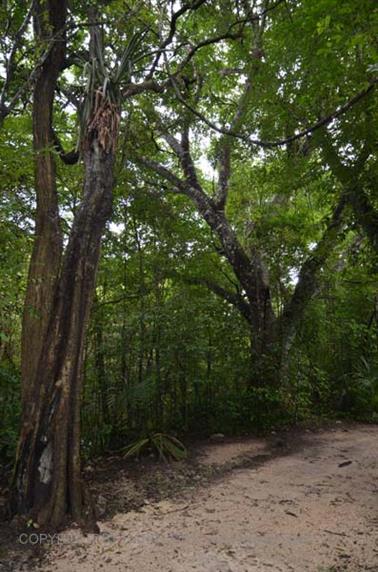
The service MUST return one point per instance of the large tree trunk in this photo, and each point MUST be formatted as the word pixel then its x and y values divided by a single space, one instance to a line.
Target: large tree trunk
pixel 252 275
pixel 99 356
pixel 250 271
pixel 47 248
pixel 47 484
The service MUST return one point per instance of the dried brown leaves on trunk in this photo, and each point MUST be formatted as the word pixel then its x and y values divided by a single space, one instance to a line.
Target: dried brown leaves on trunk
pixel 104 123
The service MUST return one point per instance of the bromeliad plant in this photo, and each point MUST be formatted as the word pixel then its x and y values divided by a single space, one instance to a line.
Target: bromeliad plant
pixel 100 116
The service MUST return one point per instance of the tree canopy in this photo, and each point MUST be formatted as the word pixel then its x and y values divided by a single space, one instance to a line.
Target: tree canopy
pixel 223 153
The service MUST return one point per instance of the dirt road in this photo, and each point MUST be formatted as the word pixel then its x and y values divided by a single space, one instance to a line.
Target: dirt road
pixel 313 509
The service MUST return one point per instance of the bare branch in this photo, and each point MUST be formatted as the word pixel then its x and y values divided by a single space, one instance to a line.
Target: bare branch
pixel 174 144
pixel 226 142
pixel 224 172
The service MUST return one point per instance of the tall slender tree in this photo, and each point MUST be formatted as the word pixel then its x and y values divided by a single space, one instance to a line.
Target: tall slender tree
pixel 47 484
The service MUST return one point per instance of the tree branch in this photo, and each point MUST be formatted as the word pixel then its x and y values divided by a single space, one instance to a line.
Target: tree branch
pixel 179 185
pixel 272 144
pixel 148 85
pixel 172 30
pixel 226 143
pixel 356 196
pixel 307 282
pixel 10 67
pixel 6 109
pixel 233 298
pixel 70 157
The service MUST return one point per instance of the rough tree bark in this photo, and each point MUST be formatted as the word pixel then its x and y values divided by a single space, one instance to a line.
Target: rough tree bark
pixel 47 248
pixel 47 484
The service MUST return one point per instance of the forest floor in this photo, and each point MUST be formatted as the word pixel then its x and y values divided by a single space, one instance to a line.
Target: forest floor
pixel 296 501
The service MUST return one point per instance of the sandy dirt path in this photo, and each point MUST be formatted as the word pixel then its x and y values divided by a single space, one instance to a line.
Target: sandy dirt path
pixel 314 509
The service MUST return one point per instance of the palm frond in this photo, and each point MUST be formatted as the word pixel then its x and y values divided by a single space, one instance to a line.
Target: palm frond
pixel 124 68
pixel 166 446
pixel 136 448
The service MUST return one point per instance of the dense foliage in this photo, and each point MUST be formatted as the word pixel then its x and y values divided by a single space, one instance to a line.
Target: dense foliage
pixel 167 351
